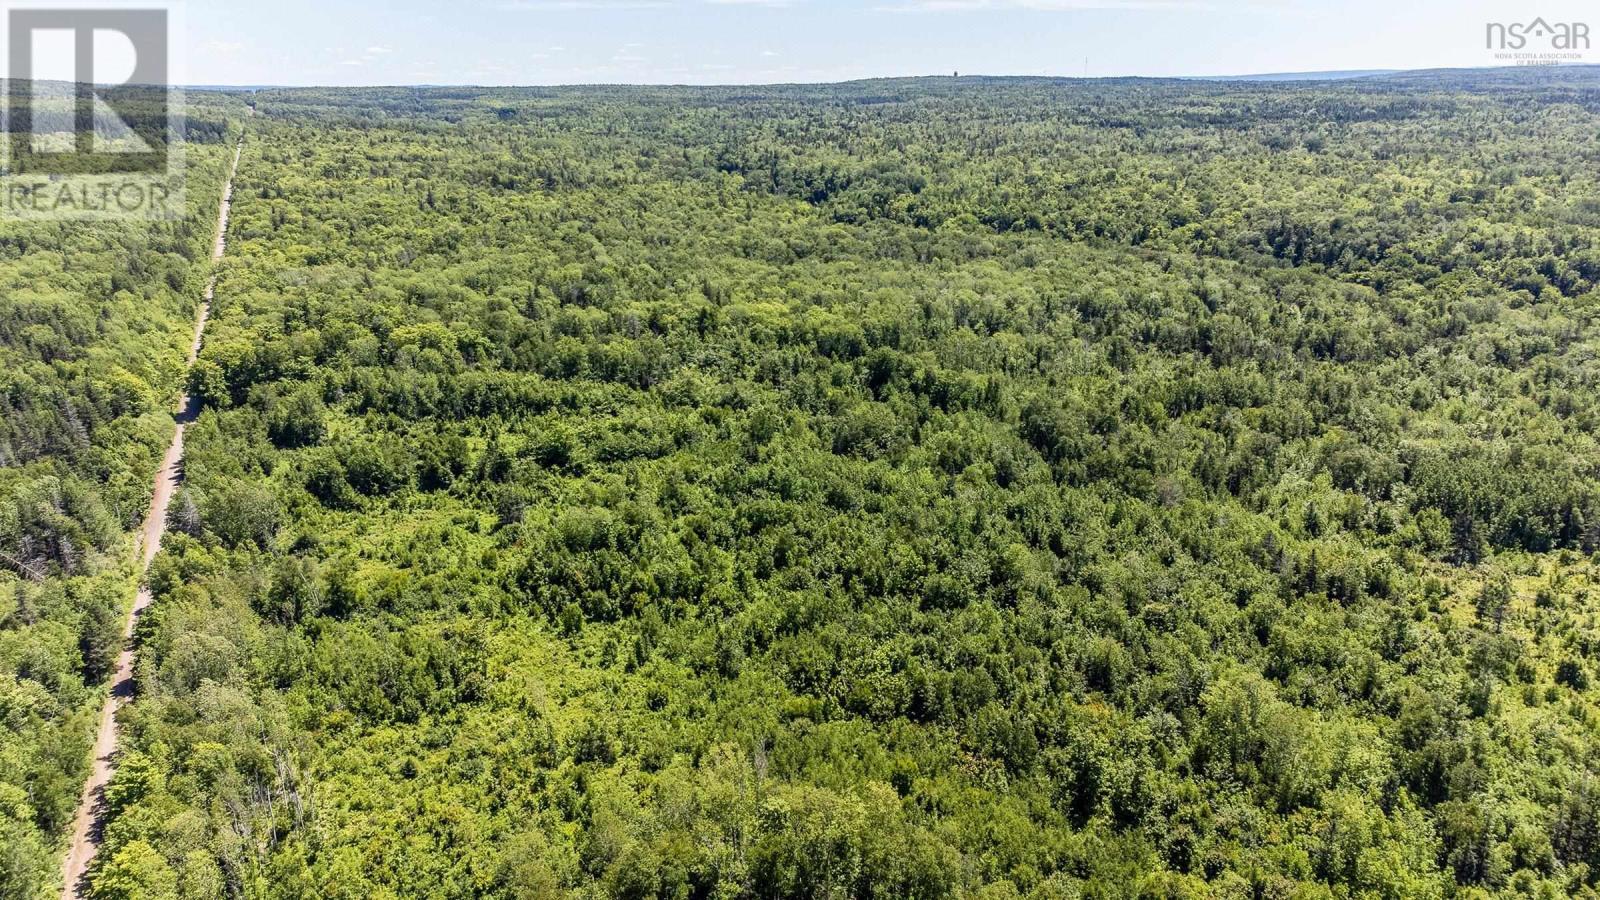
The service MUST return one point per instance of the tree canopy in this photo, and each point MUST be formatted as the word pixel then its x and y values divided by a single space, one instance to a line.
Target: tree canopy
pixel 917 488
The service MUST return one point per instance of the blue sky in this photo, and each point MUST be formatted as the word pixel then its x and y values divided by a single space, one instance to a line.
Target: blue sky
pixel 751 41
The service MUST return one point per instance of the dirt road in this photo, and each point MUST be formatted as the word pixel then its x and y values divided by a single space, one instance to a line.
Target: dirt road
pixel 89 824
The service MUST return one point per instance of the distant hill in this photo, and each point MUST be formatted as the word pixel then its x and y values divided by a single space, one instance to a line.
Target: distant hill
pixel 1332 75
pixel 1480 77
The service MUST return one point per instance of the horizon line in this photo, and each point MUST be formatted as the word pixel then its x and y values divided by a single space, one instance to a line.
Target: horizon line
pixel 1306 75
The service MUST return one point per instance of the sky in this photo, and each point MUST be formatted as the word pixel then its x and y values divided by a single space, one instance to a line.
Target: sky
pixel 499 42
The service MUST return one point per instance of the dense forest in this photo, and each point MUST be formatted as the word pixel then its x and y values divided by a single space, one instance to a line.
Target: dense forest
pixel 905 489
pixel 94 324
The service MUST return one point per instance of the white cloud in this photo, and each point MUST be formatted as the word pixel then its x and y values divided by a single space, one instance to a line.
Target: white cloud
pixel 628 53
pixel 933 6
pixel 562 5
pixel 558 5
